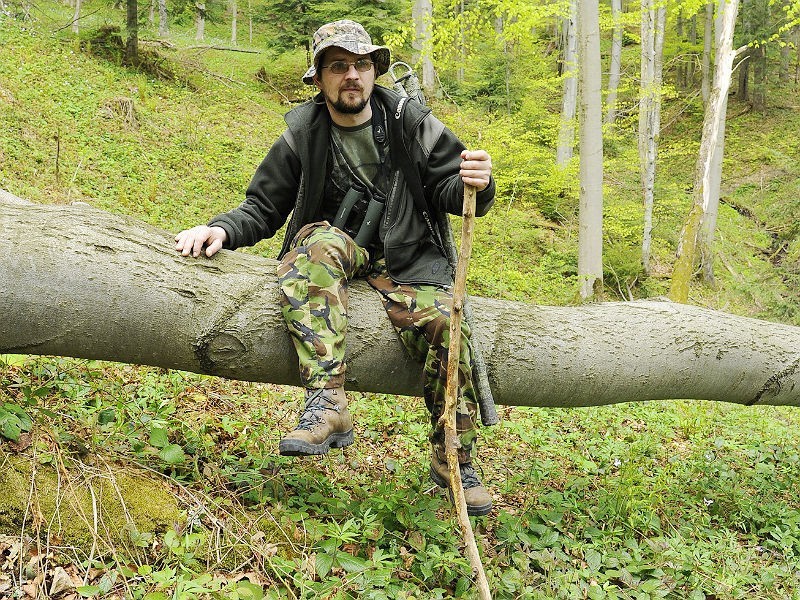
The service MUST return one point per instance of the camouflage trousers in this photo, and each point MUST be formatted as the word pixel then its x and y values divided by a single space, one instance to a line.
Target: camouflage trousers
pixel 314 278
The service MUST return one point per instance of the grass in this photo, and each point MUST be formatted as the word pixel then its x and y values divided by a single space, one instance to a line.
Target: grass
pixel 680 499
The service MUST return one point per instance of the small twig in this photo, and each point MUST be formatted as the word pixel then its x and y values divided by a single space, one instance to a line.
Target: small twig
pixel 76 20
pixel 224 49
pixel 450 436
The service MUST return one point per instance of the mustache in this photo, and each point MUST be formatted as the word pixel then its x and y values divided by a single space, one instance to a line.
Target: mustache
pixel 352 86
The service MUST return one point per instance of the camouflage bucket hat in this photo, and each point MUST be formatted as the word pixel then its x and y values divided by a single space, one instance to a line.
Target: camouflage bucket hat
pixel 350 36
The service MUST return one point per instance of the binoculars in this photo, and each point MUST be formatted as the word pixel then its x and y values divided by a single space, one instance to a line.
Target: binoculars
pixel 359 214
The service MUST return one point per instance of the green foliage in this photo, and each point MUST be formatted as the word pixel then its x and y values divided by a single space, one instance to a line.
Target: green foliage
pixel 291 24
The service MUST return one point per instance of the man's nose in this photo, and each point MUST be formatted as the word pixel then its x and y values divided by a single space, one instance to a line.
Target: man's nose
pixel 352 72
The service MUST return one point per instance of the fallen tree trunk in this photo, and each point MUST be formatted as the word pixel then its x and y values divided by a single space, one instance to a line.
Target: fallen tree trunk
pixel 76 281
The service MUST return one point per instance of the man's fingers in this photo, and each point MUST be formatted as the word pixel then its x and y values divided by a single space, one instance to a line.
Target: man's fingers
pixel 214 247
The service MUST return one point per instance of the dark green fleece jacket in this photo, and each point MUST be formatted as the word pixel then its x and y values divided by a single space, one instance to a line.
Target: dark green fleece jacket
pixel 291 180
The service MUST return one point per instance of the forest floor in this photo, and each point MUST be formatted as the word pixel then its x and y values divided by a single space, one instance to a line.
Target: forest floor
pixel 128 481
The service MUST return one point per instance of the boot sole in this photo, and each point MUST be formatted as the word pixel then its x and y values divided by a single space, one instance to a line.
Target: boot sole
pixel 472 511
pixel 301 448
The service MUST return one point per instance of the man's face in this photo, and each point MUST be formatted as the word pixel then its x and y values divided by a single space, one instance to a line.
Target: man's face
pixel 349 92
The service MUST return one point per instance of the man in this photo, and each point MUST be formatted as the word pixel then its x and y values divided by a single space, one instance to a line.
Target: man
pixel 347 169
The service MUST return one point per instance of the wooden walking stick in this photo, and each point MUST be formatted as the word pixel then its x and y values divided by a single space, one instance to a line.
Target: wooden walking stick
pixel 451 441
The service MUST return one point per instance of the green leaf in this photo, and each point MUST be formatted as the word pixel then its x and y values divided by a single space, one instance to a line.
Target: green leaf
pixel 158 437
pixel 87 591
pixel 172 455
pixel 350 563
pixel 13 360
pixel 156 596
pixel 13 421
pixel 593 558
pixel 249 591
pixel 323 565
pixel 106 416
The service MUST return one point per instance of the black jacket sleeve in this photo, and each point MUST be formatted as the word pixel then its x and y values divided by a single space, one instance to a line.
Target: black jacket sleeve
pixel 269 199
pixel 444 189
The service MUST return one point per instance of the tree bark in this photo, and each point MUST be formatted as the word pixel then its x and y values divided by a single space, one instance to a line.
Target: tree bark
pixel 646 139
pixel 713 120
pixel 615 64
pixel 132 27
pixel 759 95
pixel 234 22
pixel 708 227
pixel 708 40
pixel 422 14
pixel 81 282
pixel 76 17
pixel 200 21
pixel 590 205
pixel 163 23
pixel 569 103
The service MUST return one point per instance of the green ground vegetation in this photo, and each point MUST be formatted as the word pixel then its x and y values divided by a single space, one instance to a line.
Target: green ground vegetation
pixel 152 483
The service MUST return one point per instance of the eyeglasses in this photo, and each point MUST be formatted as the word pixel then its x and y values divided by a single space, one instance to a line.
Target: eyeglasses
pixel 340 67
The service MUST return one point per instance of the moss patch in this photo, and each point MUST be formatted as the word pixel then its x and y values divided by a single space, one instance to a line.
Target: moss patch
pixel 65 506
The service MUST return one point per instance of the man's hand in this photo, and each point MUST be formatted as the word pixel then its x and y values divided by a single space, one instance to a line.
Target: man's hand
pixel 476 168
pixel 191 241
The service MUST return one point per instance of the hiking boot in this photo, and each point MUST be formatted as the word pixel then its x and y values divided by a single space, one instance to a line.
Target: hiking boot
pixel 479 502
pixel 324 424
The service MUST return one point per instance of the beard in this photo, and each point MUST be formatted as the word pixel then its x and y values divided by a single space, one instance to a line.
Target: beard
pixel 348 108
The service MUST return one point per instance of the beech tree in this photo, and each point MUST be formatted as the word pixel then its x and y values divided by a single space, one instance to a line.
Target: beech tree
pixel 234 22
pixel 163 23
pixel 422 14
pixel 615 63
pixel 81 282
pixel 132 28
pixel 569 74
pixel 590 210
pixel 702 191
pixel 653 22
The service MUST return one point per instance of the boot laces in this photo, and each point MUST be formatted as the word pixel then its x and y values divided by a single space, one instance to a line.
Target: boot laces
pixel 316 402
pixel 469 479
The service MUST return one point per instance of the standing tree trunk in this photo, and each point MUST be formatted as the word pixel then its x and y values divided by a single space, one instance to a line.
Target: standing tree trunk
pixel 616 62
pixel 786 53
pixel 590 212
pixel 234 21
pixel 708 41
pixel 151 15
pixel 646 139
pixel 200 21
pixel 743 88
pixel 714 115
pixel 163 23
pixel 76 17
pixel 709 220
pixel 566 133
pixel 132 25
pixel 653 22
pixel 680 67
pixel 422 13
pixel 759 95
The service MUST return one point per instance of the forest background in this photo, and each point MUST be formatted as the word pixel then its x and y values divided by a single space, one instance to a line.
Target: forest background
pixel 118 480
